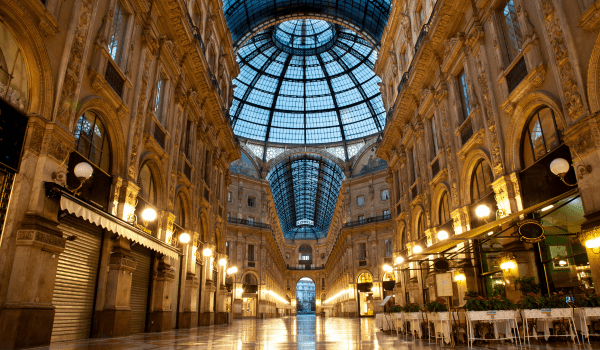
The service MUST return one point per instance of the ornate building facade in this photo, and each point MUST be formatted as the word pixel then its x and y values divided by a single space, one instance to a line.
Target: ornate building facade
pixel 139 91
pixel 481 97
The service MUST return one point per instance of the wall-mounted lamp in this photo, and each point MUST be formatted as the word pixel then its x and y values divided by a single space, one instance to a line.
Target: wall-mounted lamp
pixel 508 265
pixel 593 244
pixel 399 260
pixel 560 167
pixel 207 252
pixel 442 235
pixel 417 249
pixel 223 262
pixel 148 215
pixel 459 277
pixel 482 211
pixel 182 237
pixel 231 270
pixel 82 171
pixel 387 268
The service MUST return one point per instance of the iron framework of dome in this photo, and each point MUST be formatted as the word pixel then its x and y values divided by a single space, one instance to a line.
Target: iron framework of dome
pixel 305 190
pixel 247 17
pixel 307 82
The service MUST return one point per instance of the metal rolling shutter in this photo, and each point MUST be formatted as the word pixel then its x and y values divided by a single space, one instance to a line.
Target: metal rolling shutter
pixel 76 278
pixel 140 281
pixel 174 293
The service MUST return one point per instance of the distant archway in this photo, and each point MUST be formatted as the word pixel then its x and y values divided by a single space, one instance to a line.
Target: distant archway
pixel 305 296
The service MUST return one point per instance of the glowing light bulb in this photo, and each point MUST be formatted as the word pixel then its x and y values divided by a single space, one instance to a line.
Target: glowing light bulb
pixel 482 211
pixel 417 249
pixel 442 235
pixel 184 237
pixel 207 252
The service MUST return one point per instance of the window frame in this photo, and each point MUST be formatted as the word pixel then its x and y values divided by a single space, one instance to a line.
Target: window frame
pixel 385 193
pixel 503 26
pixel 526 136
pixel 474 178
pixel 105 142
pixel 251 202
pixel 358 200
pixel 464 94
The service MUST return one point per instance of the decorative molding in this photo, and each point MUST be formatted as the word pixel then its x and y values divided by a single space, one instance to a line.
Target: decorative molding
pixel 590 20
pixel 558 42
pixel 532 81
pixel 139 119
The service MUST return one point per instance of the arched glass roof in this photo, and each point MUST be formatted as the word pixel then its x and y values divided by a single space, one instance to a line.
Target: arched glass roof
pixel 305 190
pixel 246 17
pixel 307 82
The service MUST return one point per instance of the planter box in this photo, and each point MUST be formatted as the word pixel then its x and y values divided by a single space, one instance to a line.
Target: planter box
pixel 589 311
pixel 413 315
pixel 439 316
pixel 548 313
pixel 491 315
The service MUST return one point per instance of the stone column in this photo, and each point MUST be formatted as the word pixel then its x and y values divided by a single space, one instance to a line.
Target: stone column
pixel 27 316
pixel 508 194
pixel 461 220
pixel 220 307
pixel 160 318
pixel 188 311
pixel 584 143
pixel 113 318
pixel 206 317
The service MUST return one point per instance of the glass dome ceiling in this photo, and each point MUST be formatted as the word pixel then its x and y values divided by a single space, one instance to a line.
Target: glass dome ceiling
pixel 307 82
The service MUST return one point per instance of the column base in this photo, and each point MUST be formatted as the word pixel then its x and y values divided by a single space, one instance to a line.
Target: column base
pixel 221 318
pixel 352 314
pixel 159 321
pixel 206 319
pixel 111 323
pixel 188 319
pixel 25 327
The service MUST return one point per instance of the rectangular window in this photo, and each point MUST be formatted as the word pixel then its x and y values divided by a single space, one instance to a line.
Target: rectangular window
pixel 465 100
pixel 250 220
pixel 251 201
pixel 386 212
pixel 415 167
pixel 434 138
pixel 385 194
pixel 362 251
pixel 227 247
pixel 360 201
pixel 160 86
pixel 389 249
pixel 361 218
pixel 229 197
pixel 117 35
pixel 187 146
pixel 322 283
pixel 250 252
pixel 511 30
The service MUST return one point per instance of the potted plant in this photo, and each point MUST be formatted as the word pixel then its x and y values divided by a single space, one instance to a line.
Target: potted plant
pixel 589 304
pixel 437 309
pixel 395 309
pixel 496 307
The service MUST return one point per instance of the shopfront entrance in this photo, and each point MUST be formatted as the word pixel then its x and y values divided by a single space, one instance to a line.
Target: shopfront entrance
pixel 365 294
pixel 249 306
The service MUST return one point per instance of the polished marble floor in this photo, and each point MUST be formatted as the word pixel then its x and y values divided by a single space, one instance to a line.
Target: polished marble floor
pixel 301 332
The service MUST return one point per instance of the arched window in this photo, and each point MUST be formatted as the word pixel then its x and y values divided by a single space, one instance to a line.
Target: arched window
pixel 421 226
pixel 481 182
pixel 541 136
pixel 388 277
pixel 444 209
pixel 92 140
pixel 403 239
pixel 365 277
pixel 305 251
pixel 13 71
pixel 180 212
pixel 250 279
pixel 147 185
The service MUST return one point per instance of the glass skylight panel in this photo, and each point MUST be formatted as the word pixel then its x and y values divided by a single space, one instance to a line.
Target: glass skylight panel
pixel 337 151
pixel 256 149
pixel 354 148
pixel 273 152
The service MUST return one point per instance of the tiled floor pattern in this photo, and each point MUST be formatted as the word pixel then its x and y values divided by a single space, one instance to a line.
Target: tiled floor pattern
pixel 301 332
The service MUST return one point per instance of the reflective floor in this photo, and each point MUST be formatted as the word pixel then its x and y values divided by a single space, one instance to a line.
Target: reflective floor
pixel 301 332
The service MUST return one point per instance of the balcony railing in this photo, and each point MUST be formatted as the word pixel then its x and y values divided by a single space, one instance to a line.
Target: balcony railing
pixel 368 220
pixel 248 223
pixel 305 267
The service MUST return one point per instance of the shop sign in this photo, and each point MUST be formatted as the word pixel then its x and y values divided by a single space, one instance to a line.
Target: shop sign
pixel 531 231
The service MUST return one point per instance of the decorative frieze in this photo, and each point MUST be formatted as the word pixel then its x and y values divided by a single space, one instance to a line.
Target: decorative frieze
pixel 34 236
pixel 75 66
pixel 558 43
pixel 139 117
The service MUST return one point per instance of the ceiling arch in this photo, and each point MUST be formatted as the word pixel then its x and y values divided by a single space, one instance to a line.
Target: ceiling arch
pixel 248 17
